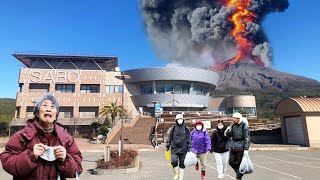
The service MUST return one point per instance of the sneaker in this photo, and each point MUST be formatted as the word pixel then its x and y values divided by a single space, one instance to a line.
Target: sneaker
pixel 197 166
pixel 203 174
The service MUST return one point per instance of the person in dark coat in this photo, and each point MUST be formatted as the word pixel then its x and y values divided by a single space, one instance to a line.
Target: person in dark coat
pixel 43 149
pixel 238 142
pixel 221 154
pixel 180 142
pixel 201 145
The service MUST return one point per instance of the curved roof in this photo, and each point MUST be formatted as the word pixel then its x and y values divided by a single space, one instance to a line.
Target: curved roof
pixel 298 105
pixel 173 74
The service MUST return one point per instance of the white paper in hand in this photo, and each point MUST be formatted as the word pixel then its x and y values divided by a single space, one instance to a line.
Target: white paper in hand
pixel 49 153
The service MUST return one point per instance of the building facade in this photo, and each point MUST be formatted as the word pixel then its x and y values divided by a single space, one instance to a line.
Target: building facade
pixel 83 85
pixel 241 102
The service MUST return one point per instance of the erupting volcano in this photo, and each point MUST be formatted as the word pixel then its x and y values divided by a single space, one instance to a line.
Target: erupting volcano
pixel 210 33
pixel 240 18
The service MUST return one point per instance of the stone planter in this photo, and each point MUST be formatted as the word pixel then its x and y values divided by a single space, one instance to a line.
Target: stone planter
pixel 120 170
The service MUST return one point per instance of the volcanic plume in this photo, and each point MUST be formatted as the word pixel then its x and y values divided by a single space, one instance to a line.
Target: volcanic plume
pixel 210 32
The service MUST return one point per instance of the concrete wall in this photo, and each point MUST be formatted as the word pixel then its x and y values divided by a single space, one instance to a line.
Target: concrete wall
pixel 217 104
pixel 241 101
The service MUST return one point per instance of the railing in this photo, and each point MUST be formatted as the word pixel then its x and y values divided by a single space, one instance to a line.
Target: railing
pixel 195 112
pixel 125 120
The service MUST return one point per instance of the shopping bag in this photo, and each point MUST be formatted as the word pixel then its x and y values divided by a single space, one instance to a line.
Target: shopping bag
pixel 190 159
pixel 246 166
pixel 167 154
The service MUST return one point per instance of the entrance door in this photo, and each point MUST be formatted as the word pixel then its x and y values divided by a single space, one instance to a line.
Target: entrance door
pixel 294 128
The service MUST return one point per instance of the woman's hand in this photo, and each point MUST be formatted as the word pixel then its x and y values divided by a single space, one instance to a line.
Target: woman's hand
pixel 60 152
pixel 38 150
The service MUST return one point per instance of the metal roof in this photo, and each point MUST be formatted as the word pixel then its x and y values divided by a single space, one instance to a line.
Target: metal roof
pixel 297 106
pixel 308 104
pixel 26 59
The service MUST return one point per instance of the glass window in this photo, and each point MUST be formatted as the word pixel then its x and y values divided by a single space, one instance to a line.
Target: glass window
pixel 107 89
pixel 195 89
pixel 65 88
pixel 146 89
pixel 149 89
pixel 177 88
pixel 160 88
pixel 36 87
pixel 111 89
pixel 114 89
pixel 120 89
pixel 168 88
pixel 185 88
pixel 90 88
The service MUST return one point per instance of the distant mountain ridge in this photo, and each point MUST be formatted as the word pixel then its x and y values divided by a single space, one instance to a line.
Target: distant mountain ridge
pixel 254 77
pixel 268 85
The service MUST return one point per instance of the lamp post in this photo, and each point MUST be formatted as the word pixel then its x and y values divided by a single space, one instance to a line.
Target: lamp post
pixel 155 125
pixel 122 77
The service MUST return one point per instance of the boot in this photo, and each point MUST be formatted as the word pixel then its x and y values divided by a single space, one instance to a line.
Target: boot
pixel 197 166
pixel 239 176
pixel 176 173
pixel 181 174
pixel 203 174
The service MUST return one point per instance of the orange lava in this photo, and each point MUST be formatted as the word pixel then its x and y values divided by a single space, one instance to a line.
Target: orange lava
pixel 240 17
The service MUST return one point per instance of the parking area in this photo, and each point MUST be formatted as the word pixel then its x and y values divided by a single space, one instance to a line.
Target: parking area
pixel 275 165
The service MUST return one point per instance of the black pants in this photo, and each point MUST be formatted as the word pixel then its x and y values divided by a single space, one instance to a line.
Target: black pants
pixel 235 161
pixel 178 159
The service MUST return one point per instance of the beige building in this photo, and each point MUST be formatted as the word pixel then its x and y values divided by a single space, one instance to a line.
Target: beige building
pixel 83 85
pixel 300 121
pixel 235 103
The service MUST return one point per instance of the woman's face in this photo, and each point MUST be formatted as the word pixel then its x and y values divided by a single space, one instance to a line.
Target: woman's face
pixel 47 113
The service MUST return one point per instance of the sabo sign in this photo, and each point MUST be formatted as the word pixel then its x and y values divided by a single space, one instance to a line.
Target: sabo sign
pixel 54 76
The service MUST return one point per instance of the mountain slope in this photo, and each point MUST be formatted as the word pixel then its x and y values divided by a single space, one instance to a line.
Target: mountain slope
pixel 253 77
pixel 268 85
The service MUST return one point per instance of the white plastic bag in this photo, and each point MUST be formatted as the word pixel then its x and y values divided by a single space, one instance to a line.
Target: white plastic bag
pixel 246 166
pixel 190 159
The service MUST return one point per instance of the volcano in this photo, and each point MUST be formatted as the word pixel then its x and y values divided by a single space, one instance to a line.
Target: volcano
pixel 251 76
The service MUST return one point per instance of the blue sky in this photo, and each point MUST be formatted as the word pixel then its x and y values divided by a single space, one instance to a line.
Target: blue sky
pixel 114 27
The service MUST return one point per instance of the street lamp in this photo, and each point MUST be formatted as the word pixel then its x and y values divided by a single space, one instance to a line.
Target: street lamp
pixel 155 125
pixel 122 77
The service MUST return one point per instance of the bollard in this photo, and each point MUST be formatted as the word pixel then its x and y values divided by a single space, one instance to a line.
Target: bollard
pixel 106 153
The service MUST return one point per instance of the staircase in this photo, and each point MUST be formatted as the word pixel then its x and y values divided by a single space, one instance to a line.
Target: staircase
pixel 139 133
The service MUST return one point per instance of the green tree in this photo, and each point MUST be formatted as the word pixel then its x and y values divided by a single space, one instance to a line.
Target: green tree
pixel 243 111
pixel 113 110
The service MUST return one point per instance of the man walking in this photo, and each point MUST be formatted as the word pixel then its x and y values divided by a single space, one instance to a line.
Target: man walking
pixel 180 142
pixel 238 142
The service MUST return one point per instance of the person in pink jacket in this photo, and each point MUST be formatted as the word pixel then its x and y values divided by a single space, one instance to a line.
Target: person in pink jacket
pixel 43 149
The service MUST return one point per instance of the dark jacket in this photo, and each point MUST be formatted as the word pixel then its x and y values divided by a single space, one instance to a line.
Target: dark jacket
pixel 239 137
pixel 179 139
pixel 218 141
pixel 17 157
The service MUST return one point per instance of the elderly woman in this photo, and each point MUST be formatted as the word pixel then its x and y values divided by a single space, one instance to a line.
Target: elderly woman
pixel 43 149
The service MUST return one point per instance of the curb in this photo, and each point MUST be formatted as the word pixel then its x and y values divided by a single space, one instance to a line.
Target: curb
pixel 119 171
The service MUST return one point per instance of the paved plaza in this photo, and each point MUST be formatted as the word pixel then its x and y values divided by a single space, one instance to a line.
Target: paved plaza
pixel 275 165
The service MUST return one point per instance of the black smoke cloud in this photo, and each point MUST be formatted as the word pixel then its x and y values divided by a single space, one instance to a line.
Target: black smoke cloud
pixel 198 32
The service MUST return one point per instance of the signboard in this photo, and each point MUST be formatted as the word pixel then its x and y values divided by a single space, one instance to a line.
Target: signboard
pixel 55 76
pixel 157 108
pixel 207 124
